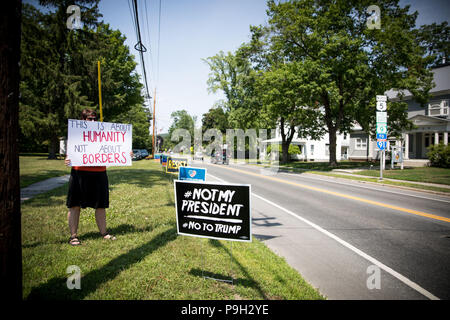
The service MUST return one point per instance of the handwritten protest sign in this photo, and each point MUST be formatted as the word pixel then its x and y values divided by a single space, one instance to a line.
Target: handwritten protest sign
pixel 217 211
pixel 91 143
pixel 174 163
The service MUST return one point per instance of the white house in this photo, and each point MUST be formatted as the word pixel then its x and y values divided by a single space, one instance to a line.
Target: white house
pixel 315 150
pixel 432 123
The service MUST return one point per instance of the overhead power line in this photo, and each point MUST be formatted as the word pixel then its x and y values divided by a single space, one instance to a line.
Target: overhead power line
pixel 139 46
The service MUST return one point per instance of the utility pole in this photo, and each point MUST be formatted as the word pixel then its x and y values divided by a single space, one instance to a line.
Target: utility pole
pixel 100 91
pixel 10 217
pixel 154 114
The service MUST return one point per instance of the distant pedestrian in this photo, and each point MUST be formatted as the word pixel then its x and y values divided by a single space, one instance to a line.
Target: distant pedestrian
pixel 88 187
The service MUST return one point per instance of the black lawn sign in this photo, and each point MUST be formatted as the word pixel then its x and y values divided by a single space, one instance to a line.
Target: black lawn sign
pixel 213 210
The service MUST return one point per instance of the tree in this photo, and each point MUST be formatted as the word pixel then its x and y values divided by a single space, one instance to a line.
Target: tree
pixel 215 118
pixel 140 118
pixel 10 217
pixel 280 90
pixel 67 79
pixel 182 120
pixel 435 39
pixel 234 75
pixel 348 64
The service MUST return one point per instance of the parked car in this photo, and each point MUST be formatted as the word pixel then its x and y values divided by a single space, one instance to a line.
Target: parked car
pixel 136 155
pixel 144 153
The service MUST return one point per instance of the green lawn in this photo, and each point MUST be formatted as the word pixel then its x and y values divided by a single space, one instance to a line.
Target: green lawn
pixel 36 168
pixel 148 260
pixel 422 174
pixel 324 166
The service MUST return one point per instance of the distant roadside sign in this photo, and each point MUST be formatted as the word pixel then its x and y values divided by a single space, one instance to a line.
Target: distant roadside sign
pixel 382 128
pixel 382 145
pixel 381 117
pixel 173 164
pixel 192 174
pixel 381 98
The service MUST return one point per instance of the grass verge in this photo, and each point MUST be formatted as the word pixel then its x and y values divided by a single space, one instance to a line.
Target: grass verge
pixel 422 174
pixel 148 260
pixel 37 168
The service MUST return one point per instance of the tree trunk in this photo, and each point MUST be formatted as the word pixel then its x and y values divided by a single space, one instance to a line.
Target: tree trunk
pixel 332 146
pixel 285 152
pixel 10 219
pixel 53 148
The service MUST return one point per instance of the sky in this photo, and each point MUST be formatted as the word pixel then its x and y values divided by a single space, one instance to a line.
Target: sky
pixel 189 32
pixel 192 30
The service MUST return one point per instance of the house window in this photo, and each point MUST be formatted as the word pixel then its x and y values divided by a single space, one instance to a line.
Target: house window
pixel 438 108
pixel 312 149
pixel 327 149
pixel 361 143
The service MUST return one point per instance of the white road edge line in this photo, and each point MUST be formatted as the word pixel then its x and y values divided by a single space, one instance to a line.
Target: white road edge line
pixel 374 261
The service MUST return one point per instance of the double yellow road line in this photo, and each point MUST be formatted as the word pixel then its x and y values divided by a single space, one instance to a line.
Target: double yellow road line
pixel 338 194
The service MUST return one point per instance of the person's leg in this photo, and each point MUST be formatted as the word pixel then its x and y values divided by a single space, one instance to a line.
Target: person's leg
pixel 100 218
pixel 73 218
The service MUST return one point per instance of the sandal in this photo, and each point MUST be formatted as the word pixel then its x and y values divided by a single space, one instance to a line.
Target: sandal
pixel 108 236
pixel 74 241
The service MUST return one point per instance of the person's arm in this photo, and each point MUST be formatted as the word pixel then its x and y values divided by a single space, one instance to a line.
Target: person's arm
pixel 67 162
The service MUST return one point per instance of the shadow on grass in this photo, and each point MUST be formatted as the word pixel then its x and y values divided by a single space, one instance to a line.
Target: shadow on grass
pixel 56 288
pixel 117 231
pixel 248 281
pixel 144 178
pixel 28 179
pixel 300 166
pixel 141 177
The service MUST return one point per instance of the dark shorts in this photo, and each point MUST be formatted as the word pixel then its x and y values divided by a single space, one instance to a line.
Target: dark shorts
pixel 88 189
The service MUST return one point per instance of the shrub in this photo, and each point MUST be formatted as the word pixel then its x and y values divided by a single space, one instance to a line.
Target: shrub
pixel 439 155
pixel 293 149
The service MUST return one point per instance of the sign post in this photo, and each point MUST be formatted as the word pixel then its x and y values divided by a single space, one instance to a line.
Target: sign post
pixel 381 129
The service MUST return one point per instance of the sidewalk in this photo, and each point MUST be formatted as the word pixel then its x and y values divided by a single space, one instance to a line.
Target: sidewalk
pixel 42 186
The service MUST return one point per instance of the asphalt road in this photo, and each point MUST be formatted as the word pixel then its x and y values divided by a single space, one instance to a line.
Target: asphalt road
pixel 350 240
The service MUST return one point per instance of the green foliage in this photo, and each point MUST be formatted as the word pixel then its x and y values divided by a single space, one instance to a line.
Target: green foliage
pixel 181 120
pixel 439 155
pixel 59 74
pixel 139 117
pixel 435 38
pixel 293 149
pixel 215 118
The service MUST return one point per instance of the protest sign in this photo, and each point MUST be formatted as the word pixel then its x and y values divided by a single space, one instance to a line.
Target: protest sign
pixel 174 163
pixel 92 143
pixel 192 174
pixel 213 210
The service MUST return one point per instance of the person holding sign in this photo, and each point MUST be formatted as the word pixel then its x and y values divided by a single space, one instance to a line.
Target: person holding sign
pixel 88 187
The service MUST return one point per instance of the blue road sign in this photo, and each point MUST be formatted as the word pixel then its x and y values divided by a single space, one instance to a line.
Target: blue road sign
pixel 381 136
pixel 189 173
pixel 381 145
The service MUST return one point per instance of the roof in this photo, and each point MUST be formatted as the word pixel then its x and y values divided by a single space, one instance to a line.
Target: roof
pixel 441 79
